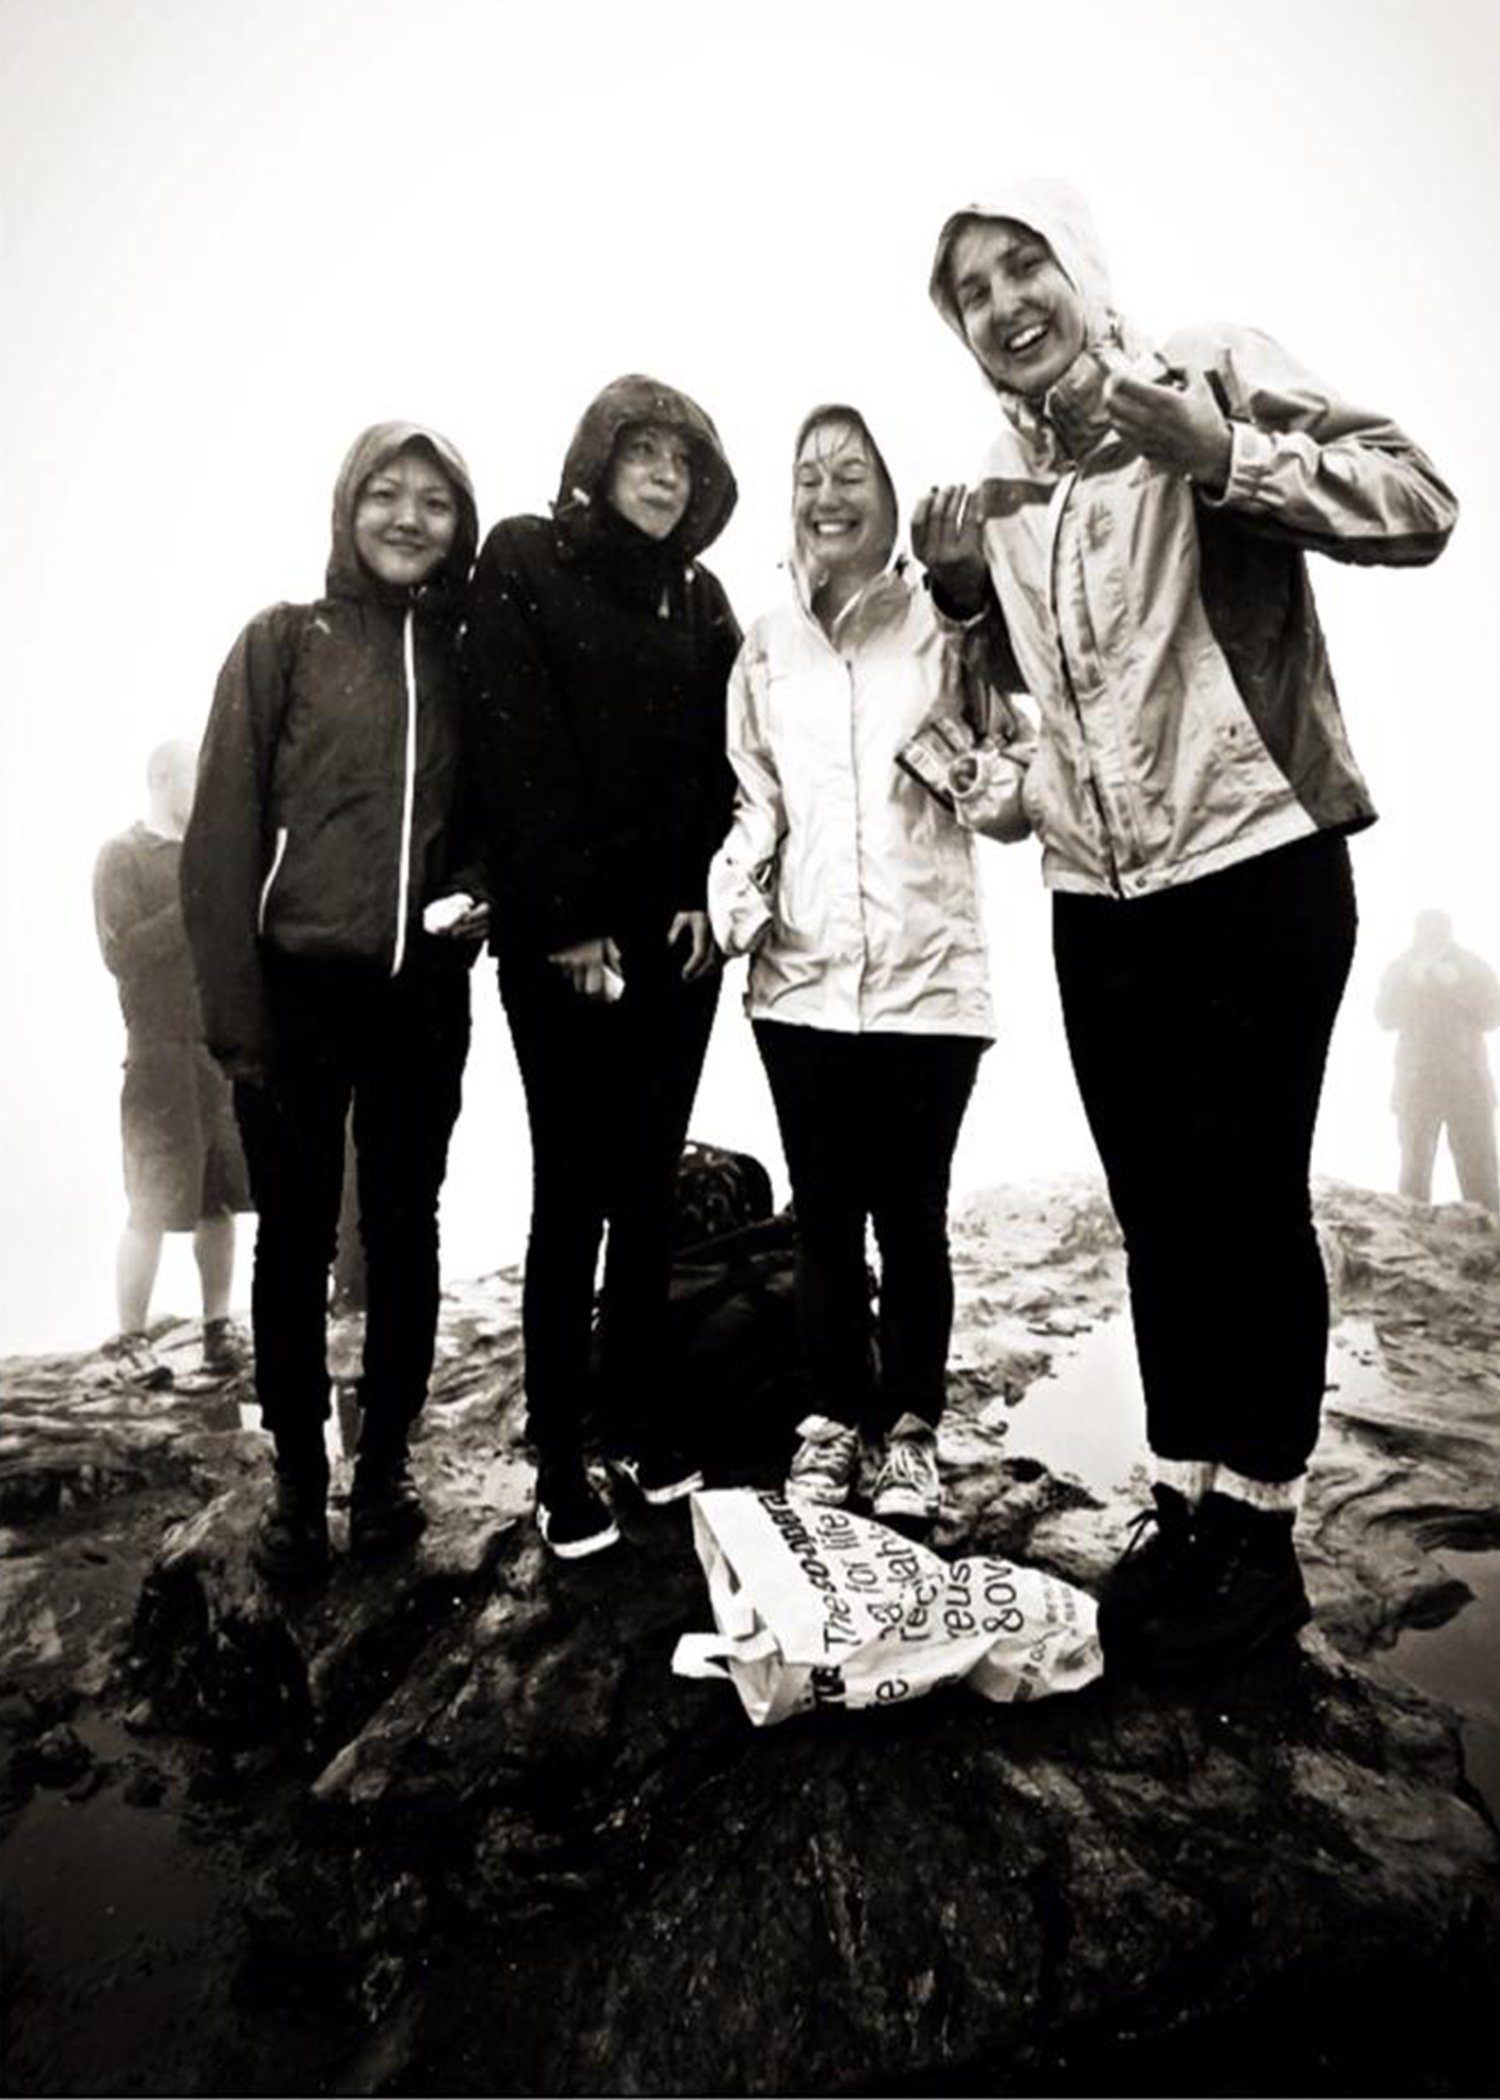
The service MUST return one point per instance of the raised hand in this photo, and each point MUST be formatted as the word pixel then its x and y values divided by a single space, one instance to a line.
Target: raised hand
pixel 1175 423
pixel 945 538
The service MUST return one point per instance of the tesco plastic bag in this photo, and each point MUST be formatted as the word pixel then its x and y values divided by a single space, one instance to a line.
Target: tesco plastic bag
pixel 818 1607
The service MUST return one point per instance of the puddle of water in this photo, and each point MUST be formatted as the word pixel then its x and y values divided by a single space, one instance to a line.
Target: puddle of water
pixel 1087 1417
pixel 113 1926
pixel 1456 1662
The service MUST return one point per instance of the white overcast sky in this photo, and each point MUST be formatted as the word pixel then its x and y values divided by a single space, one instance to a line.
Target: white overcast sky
pixel 235 231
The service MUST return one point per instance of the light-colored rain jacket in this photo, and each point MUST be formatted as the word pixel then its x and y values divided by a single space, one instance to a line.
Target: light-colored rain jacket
pixel 852 887
pixel 1188 714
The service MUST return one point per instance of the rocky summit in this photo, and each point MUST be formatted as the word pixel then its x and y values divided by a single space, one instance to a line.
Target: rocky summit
pixel 451 1824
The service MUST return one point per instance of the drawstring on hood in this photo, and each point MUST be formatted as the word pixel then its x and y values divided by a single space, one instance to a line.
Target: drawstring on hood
pixel 1070 417
pixel 585 519
pixel 347 576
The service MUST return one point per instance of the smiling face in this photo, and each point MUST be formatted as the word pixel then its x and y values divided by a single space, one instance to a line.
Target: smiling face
pixel 1021 316
pixel 405 519
pixel 651 478
pixel 843 514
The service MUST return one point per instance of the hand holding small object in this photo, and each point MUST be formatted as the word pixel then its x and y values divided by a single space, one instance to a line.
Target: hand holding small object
pixel 945 537
pixel 1173 421
pixel 593 968
pixel 458 917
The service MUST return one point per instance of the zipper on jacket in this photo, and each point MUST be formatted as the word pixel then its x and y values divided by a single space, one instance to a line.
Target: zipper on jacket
pixel 408 790
pixel 1065 490
pixel 274 870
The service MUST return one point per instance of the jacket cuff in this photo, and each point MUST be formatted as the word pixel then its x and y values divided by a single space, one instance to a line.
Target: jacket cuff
pixel 1252 457
pixel 955 622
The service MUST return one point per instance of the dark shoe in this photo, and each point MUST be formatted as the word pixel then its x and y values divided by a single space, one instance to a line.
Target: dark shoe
pixel 222 1354
pixel 139 1363
pixel 291 1541
pixel 572 1516
pixel 1247 1592
pixel 658 1472
pixel 385 1510
pixel 1158 1561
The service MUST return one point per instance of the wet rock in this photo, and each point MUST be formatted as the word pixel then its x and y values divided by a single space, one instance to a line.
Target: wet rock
pixel 145 1787
pixel 58 1756
pixel 495 1845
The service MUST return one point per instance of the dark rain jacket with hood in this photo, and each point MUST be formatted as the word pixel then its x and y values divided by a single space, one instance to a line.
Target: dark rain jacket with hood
pixel 328 792
pixel 1188 714
pixel 598 661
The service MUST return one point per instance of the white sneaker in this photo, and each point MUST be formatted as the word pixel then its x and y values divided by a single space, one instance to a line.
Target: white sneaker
pixel 825 1462
pixel 907 1483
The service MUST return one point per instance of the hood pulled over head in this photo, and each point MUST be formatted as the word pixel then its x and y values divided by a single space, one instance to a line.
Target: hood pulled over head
pixel 626 404
pixel 372 449
pixel 839 412
pixel 1056 211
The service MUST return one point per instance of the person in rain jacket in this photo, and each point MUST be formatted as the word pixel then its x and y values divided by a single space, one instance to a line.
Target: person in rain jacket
pixel 1134 557
pixel 851 885
pixel 320 850
pixel 1443 1001
pixel 598 654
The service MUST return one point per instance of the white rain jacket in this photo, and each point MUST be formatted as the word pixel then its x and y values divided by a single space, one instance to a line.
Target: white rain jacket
pixel 1188 715
pixel 852 887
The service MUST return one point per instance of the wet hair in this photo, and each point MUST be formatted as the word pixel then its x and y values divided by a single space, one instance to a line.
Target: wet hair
pixel 831 412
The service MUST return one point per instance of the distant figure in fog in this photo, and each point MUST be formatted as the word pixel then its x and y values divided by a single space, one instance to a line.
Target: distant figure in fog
pixel 1443 1001
pixel 184 1171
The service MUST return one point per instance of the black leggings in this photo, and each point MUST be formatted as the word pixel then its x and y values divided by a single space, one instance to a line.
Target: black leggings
pixel 396 1047
pixel 869 1124
pixel 1199 1020
pixel 609 1090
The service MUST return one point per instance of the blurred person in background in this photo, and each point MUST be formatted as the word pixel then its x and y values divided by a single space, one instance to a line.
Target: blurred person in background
pixel 1442 1001
pixel 184 1171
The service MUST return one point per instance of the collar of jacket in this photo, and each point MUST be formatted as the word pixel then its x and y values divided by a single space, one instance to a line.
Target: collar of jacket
pixel 1069 424
pixel 884 598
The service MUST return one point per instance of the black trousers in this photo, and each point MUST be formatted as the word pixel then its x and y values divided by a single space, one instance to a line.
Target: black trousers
pixel 609 1090
pixel 1465 1108
pixel 869 1124
pixel 396 1047
pixel 1198 1020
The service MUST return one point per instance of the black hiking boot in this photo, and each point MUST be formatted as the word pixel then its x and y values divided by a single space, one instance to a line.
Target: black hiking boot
pixel 1247 1592
pixel 385 1509
pixel 291 1540
pixel 1158 1563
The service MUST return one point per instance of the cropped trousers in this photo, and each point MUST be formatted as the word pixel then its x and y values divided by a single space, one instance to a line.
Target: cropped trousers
pixel 1198 1020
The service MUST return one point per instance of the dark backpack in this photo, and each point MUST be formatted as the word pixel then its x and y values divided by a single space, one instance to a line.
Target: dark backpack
pixel 732 1311
pixel 736 1358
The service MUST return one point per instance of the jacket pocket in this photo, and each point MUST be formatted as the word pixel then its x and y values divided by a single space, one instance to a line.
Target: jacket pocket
pixel 277 857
